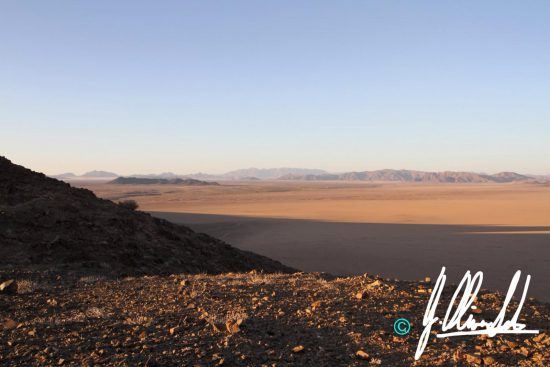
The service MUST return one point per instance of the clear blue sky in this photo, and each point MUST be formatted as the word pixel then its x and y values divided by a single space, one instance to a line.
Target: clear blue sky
pixel 185 86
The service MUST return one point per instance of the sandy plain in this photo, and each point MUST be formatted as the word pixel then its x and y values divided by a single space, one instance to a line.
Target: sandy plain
pixel 405 231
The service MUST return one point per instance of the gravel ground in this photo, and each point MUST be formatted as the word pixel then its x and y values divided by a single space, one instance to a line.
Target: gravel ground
pixel 242 319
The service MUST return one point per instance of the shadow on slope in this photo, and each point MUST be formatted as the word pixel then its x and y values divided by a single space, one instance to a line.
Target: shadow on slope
pixel 404 251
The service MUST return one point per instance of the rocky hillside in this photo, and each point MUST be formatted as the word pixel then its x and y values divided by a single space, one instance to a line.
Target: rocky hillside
pixel 160 181
pixel 391 175
pixel 248 320
pixel 47 223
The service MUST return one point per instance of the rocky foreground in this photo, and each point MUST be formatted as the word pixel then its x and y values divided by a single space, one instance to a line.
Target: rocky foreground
pixel 246 319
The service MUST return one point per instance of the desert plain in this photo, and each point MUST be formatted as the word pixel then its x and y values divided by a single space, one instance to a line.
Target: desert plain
pixel 396 230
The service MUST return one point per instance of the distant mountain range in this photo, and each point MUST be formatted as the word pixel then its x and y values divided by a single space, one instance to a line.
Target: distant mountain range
pixel 270 173
pixel 540 177
pixel 160 181
pixel 305 174
pixel 390 175
pixel 99 174
pixel 164 175
pixel 87 175
pixel 254 174
pixel 248 174
pixel 65 176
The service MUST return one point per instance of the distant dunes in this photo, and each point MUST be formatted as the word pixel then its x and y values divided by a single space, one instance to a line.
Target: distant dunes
pixel 391 175
pixel 160 181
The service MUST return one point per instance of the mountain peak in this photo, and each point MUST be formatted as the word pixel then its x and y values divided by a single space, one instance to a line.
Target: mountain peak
pixel 99 174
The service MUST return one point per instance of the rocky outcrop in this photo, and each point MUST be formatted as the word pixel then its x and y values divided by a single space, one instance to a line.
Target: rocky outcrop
pixel 45 222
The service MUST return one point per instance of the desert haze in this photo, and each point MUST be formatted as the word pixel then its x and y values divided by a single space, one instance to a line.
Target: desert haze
pixel 357 227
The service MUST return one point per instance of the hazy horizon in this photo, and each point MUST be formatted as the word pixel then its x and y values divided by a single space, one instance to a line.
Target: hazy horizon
pixel 120 173
pixel 206 86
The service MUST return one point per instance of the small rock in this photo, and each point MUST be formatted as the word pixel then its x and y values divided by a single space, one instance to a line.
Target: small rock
pixel 232 326
pixel 362 354
pixel 539 338
pixel 376 284
pixel 524 351
pixel 8 287
pixel 511 344
pixel 470 358
pixel 217 325
pixel 9 324
pixel 298 349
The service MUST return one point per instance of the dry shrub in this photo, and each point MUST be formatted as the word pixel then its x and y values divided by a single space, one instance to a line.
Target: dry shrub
pixel 128 204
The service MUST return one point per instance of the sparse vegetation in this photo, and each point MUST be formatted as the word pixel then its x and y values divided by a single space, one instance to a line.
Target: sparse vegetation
pixel 129 204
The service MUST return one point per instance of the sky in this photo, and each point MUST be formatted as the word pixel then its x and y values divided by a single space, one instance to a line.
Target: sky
pixel 211 86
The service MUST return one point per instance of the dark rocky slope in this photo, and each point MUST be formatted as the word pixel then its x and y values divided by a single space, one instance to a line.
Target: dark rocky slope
pixel 47 223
